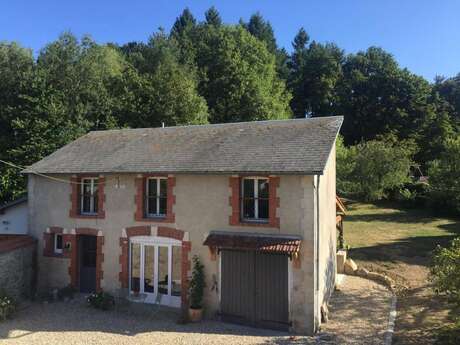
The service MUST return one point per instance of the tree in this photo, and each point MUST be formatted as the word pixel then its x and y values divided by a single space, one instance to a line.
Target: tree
pixel 373 169
pixel 377 97
pixel 163 92
pixel 213 17
pixel 444 178
pixel 184 33
pixel 238 77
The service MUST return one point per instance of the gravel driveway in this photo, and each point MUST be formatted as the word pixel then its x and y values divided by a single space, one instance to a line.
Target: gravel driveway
pixel 359 313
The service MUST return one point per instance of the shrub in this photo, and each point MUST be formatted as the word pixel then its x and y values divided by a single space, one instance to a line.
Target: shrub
pixel 7 306
pixel 101 300
pixel 445 271
pixel 197 284
pixel 66 292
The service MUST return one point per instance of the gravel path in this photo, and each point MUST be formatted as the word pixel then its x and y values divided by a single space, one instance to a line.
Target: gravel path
pixel 359 315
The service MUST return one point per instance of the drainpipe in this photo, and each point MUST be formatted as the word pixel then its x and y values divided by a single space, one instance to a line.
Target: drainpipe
pixel 317 315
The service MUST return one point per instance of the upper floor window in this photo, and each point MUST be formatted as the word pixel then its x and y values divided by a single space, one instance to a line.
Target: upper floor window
pixel 254 199
pixel 89 197
pixel 156 196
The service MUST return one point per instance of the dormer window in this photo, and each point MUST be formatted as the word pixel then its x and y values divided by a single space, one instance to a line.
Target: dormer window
pixel 255 199
pixel 156 195
pixel 89 196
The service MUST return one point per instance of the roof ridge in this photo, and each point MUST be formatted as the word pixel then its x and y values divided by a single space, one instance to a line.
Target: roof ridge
pixel 306 119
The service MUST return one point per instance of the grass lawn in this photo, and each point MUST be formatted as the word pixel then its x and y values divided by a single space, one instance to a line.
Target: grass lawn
pixel 399 242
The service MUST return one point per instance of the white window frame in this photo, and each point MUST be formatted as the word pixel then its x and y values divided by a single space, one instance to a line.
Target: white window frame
pixel 158 197
pixel 56 249
pixel 256 199
pixel 93 183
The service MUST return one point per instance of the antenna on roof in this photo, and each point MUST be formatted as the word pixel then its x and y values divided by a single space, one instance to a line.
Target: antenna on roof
pixel 162 125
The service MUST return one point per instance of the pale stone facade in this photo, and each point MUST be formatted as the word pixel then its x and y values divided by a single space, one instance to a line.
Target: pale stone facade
pixel 307 204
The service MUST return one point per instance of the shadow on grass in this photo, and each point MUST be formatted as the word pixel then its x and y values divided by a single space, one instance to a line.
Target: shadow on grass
pixel 404 249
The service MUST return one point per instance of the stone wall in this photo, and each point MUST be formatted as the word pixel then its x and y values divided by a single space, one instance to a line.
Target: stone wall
pixel 18 266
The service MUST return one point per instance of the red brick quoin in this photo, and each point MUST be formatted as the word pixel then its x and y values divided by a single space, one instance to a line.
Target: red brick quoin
pixel 162 232
pixel 73 255
pixel 273 203
pixel 75 197
pixel 139 215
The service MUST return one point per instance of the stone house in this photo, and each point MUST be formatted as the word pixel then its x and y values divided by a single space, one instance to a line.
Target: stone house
pixel 126 210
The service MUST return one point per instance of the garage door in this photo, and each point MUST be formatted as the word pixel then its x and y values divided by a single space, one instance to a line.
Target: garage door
pixel 254 289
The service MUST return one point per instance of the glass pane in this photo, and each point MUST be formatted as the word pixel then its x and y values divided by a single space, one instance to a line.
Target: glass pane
pixel 95 197
pixel 248 188
pixel 152 206
pixel 95 186
pixel 86 187
pixel 163 270
pixel 263 188
pixel 248 208
pixel 176 271
pixel 135 267
pixel 163 187
pixel 152 188
pixel 149 261
pixel 162 206
pixel 58 242
pixel 86 204
pixel 263 208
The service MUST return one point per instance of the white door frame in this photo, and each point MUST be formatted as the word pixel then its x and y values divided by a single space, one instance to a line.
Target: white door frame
pixel 155 242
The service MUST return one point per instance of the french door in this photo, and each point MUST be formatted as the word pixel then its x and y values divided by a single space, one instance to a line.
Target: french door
pixel 155 268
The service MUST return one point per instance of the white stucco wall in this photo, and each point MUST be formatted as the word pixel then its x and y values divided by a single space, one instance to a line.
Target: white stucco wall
pixel 14 220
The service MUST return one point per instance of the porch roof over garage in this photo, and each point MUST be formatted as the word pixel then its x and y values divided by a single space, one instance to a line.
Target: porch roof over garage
pixel 271 243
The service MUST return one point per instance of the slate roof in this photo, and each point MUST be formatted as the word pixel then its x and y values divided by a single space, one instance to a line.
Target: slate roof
pixel 298 146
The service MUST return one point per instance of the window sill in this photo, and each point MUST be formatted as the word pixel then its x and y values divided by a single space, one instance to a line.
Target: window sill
pixel 89 216
pixel 55 255
pixel 157 219
pixel 255 223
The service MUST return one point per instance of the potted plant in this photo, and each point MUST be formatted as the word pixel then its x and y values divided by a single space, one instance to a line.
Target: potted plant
pixel 197 285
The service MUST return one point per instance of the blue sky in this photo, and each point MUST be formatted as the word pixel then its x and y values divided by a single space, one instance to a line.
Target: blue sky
pixel 423 35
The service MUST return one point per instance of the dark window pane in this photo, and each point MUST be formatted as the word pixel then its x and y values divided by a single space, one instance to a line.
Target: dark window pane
pixel 248 188
pixel 163 187
pixel 58 242
pixel 162 206
pixel 152 206
pixel 86 204
pixel 248 208
pixel 263 208
pixel 152 187
pixel 95 187
pixel 263 188
pixel 86 187
pixel 149 262
pixel 135 266
pixel 95 197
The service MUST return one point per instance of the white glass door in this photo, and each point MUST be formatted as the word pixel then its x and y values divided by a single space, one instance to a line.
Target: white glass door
pixel 155 268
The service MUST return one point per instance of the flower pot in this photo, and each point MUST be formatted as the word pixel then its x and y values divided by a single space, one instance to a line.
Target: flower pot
pixel 195 315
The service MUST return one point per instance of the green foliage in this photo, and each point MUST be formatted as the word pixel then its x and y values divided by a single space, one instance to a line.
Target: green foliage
pixel 445 271
pixel 238 77
pixel 101 300
pixel 373 169
pixel 197 284
pixel 444 178
pixel 7 306
pixel 66 292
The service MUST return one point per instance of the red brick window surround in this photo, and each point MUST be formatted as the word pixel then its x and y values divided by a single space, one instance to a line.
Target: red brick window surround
pixel 155 201
pixel 77 192
pixel 49 242
pixel 236 217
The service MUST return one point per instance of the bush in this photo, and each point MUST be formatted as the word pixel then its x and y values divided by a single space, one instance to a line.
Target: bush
pixel 7 306
pixel 66 292
pixel 101 300
pixel 197 284
pixel 445 271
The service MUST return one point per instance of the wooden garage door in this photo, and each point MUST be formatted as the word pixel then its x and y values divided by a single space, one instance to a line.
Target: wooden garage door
pixel 255 289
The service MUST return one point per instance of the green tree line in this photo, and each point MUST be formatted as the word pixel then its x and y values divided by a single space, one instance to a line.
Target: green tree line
pixel 211 72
